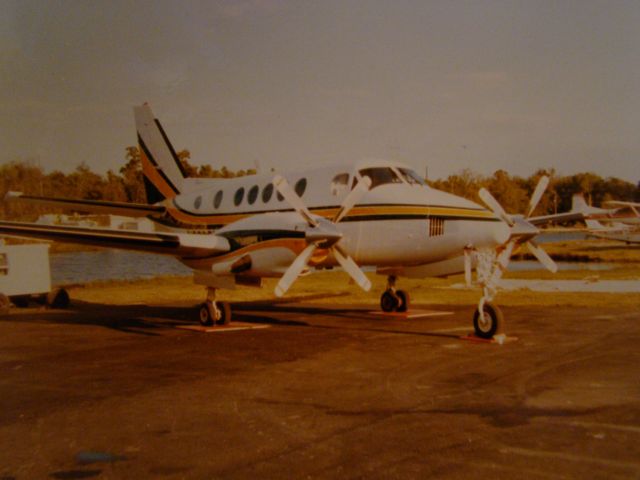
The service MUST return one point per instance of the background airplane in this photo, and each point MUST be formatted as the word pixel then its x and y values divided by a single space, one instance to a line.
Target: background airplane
pixel 619 223
pixel 238 231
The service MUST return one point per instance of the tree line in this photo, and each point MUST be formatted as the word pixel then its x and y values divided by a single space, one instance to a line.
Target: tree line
pixel 127 185
pixel 514 192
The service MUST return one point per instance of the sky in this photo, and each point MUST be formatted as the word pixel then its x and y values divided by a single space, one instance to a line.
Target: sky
pixel 439 85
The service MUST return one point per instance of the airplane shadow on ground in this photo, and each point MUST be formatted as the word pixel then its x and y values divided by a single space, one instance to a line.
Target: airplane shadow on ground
pixel 152 319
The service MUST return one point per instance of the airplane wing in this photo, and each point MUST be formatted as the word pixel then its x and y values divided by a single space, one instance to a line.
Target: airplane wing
pixel 94 206
pixel 556 218
pixel 178 244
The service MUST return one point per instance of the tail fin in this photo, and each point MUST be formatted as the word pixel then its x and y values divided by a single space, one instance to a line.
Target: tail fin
pixel 578 203
pixel 162 170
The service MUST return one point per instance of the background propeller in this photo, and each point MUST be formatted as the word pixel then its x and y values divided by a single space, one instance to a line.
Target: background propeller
pixel 321 233
pixel 522 232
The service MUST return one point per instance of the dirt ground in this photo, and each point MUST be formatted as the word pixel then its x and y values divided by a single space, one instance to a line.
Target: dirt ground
pixel 104 391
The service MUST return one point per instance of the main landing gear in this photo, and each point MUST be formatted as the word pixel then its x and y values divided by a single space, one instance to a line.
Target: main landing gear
pixel 212 312
pixel 393 300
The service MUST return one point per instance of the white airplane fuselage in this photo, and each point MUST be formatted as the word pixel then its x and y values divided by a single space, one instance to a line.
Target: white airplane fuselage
pixel 396 224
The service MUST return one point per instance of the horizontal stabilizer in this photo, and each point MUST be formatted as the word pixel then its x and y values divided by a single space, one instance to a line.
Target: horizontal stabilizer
pixel 89 206
pixel 179 244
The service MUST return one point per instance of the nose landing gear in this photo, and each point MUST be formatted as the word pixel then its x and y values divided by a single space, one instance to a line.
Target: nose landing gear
pixel 393 300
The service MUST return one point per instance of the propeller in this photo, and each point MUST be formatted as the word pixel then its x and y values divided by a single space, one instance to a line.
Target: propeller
pixel 522 232
pixel 321 233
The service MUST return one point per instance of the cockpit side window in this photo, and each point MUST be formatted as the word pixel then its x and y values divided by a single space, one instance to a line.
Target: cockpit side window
pixel 380 176
pixel 411 177
pixel 339 183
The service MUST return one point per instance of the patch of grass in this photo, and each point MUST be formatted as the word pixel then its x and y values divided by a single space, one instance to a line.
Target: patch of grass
pixel 337 288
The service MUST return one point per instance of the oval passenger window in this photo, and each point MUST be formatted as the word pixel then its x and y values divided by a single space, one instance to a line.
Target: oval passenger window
pixel 301 186
pixel 237 198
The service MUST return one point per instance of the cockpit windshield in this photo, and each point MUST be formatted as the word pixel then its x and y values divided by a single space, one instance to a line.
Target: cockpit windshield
pixel 411 177
pixel 380 176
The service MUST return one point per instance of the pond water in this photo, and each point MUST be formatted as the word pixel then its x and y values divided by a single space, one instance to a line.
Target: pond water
pixel 82 267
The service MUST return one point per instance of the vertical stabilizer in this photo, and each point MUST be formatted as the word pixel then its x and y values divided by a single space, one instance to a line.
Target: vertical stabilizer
pixel 163 173
pixel 578 203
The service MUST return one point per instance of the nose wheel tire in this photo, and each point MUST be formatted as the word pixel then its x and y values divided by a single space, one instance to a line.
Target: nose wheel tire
pixel 489 323
pixel 397 301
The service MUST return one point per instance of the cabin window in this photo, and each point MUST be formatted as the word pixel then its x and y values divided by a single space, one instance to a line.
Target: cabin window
pixel 380 176
pixel 267 192
pixel 197 202
pixel 237 198
pixel 411 177
pixel 339 183
pixel 252 195
pixel 217 200
pixel 301 186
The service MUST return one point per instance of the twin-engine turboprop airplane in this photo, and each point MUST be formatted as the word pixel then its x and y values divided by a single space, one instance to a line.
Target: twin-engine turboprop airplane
pixel 373 213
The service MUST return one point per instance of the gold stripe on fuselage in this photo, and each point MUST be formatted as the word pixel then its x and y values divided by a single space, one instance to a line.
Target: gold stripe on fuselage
pixel 390 211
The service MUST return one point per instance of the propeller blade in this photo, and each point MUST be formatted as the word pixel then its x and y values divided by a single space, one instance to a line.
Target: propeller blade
pixel 493 204
pixel 467 267
pixel 354 195
pixel 537 194
pixel 351 268
pixel 542 256
pixel 293 199
pixel 294 270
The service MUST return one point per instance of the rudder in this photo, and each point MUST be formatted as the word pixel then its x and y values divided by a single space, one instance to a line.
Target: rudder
pixel 162 170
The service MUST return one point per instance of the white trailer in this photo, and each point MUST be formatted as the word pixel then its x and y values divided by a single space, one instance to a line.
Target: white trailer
pixel 25 274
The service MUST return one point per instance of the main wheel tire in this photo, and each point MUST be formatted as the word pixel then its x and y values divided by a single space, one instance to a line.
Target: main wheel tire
pixel 490 323
pixel 5 304
pixel 388 302
pixel 205 315
pixel 58 298
pixel 225 313
pixel 404 301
